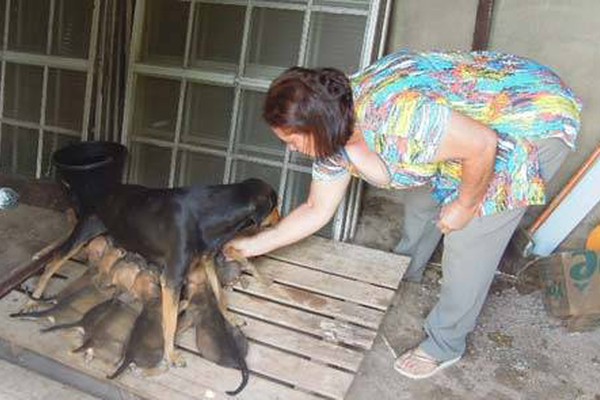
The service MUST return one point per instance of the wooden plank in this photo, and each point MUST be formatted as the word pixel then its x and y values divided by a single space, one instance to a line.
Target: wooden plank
pixel 361 263
pixel 289 368
pixel 308 333
pixel 330 329
pixel 322 379
pixel 301 372
pixel 24 231
pixel 299 343
pixel 300 298
pixel 199 378
pixel 25 334
pixel 327 284
pixel 326 380
pixel 62 373
pixel 199 370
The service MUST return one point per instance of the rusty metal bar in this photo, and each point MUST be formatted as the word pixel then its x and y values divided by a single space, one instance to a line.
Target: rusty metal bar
pixel 483 25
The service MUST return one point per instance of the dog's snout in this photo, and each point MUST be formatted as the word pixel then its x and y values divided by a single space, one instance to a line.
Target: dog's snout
pixel 271 219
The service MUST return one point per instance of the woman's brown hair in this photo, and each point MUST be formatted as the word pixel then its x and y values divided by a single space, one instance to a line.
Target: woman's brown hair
pixel 317 102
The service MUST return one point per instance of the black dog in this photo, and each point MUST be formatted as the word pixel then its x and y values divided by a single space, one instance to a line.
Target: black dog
pixel 169 228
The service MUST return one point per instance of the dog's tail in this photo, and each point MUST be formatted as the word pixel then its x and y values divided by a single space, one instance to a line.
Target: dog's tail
pixel 123 365
pixel 84 346
pixel 61 326
pixel 238 343
pixel 245 374
pixel 33 314
pixel 126 358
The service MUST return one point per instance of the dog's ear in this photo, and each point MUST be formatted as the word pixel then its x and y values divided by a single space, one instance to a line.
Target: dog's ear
pixel 221 226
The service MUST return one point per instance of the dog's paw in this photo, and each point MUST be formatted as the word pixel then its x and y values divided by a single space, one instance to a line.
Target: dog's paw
pixel 235 319
pixel 176 360
pixel 29 307
pixel 88 356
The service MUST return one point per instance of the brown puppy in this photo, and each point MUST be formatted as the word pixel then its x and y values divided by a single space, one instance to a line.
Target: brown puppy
pixel 82 233
pixel 89 320
pixel 229 272
pixel 76 299
pixel 134 276
pixel 146 287
pixel 107 334
pixel 96 249
pixel 123 275
pixel 109 259
pixel 246 265
pixel 145 345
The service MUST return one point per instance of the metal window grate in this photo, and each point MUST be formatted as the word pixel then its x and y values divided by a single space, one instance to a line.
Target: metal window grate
pixel 198 71
pixel 46 79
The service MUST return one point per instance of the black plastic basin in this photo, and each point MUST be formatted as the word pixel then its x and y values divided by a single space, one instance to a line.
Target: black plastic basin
pixel 89 171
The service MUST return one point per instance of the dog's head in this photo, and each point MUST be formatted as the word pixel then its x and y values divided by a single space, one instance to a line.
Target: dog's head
pixel 229 210
pixel 263 199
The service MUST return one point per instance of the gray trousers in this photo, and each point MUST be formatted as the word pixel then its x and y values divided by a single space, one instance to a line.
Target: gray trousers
pixel 469 261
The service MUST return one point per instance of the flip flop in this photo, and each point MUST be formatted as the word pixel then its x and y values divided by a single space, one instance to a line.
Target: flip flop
pixel 418 356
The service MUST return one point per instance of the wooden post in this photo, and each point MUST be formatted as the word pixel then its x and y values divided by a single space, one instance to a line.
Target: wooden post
pixel 483 25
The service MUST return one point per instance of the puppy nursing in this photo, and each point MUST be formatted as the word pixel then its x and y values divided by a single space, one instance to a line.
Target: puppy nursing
pixel 151 274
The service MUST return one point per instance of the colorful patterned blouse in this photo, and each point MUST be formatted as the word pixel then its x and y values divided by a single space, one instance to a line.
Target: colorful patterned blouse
pixel 402 106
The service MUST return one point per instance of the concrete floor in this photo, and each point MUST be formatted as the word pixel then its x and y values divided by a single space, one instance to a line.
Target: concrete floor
pixel 517 351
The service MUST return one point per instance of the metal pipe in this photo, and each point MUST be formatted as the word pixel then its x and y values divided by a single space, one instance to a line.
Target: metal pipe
pixel 40 146
pixel 483 25
pixel 122 24
pixel 100 76
pixel 380 53
pixel 301 61
pixel 3 74
pixel 108 116
pixel 237 97
pixel 40 150
pixel 220 153
pixel 384 28
pixel 58 79
pixel 35 126
pixel 40 60
pixel 182 95
pixel 354 194
pixel 134 49
pixel 90 72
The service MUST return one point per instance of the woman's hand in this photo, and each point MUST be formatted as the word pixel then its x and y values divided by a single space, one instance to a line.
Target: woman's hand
pixel 244 246
pixel 306 219
pixel 474 145
pixel 455 216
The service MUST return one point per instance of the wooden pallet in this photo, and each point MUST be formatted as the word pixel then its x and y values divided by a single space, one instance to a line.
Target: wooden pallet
pixel 24 231
pixel 308 332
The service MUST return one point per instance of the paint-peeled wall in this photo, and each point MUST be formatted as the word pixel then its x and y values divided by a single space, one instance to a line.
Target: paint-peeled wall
pixel 563 34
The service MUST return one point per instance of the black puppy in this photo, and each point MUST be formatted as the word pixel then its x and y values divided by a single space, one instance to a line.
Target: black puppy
pixel 169 228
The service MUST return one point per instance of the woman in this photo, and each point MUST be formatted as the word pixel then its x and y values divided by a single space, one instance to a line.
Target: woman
pixel 478 133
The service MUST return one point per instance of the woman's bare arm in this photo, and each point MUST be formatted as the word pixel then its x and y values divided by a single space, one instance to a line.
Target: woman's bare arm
pixel 474 144
pixel 306 219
